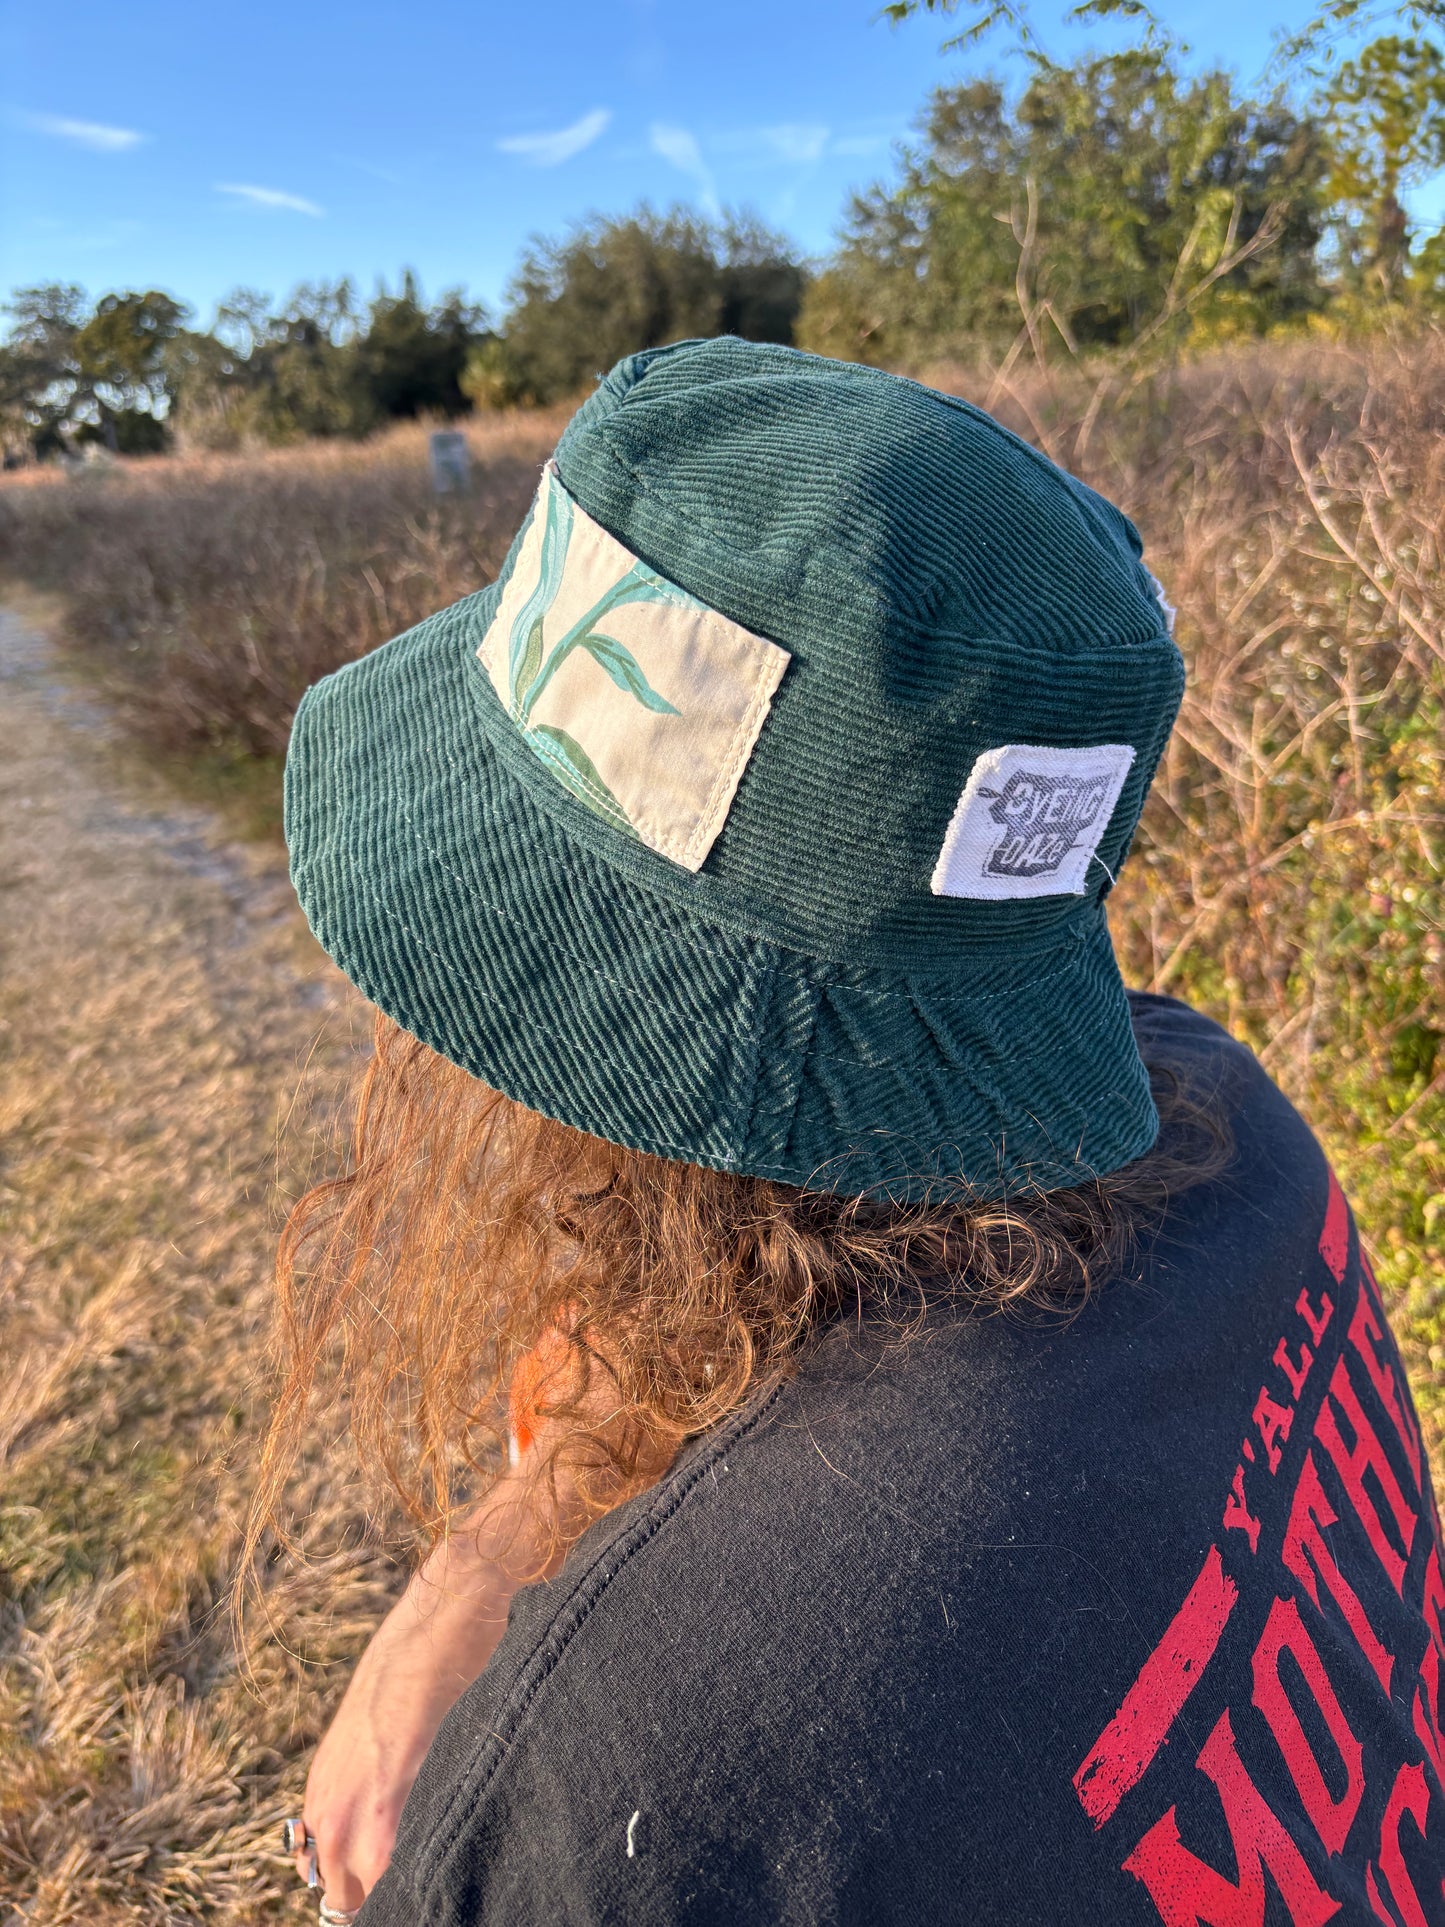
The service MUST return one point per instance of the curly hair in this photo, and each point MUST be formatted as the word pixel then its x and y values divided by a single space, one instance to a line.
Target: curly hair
pixel 480 1268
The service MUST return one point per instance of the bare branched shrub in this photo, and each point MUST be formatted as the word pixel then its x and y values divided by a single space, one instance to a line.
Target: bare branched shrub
pixel 1290 869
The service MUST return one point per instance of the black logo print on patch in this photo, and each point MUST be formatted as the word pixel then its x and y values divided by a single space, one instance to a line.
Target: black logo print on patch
pixel 1043 818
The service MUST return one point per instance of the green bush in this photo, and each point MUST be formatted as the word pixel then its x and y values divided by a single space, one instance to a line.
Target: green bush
pixel 609 287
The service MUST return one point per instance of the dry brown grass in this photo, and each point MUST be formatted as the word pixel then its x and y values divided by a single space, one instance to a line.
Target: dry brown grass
pixel 1288 878
pixel 158 1011
pixel 1290 872
pixel 211 591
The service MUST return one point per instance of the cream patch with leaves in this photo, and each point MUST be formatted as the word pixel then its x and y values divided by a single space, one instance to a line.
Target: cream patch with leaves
pixel 643 702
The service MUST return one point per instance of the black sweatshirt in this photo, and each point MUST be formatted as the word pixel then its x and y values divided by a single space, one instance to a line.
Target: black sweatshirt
pixel 1133 1617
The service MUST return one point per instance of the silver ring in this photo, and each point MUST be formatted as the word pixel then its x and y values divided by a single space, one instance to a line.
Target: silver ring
pixel 296 1837
pixel 337 1916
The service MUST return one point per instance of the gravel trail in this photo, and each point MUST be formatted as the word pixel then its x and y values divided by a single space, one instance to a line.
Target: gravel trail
pixel 172 1050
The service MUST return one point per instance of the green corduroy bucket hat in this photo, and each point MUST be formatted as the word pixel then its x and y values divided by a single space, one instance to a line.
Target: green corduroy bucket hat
pixel 761 814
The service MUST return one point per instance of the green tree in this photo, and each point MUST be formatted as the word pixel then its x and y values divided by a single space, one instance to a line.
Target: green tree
pixel 761 281
pixel 410 359
pixel 1150 180
pixel 210 385
pixel 244 321
pixel 38 374
pixel 1114 196
pixel 610 286
pixel 70 373
pixel 123 369
pixel 298 378
pixel 929 257
pixel 1385 114
pixel 322 365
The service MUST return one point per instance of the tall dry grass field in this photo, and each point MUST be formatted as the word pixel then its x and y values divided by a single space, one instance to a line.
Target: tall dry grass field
pixel 1290 874
pixel 209 592
pixel 1288 877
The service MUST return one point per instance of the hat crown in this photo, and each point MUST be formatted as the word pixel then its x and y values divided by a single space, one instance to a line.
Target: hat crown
pixel 937 517
pixel 759 813
pixel 942 590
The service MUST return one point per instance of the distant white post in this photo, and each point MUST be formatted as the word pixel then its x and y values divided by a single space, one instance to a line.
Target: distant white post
pixel 451 464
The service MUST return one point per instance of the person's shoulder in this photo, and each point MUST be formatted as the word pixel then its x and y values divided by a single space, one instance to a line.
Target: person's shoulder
pixel 1169 1025
pixel 1179 1042
pixel 464 1850
pixel 1218 1101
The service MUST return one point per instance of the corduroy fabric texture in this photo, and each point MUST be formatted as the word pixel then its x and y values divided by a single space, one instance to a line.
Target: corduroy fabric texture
pixel 803 1007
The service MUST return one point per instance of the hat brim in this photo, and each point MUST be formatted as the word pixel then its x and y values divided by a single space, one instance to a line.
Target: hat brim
pixel 472 900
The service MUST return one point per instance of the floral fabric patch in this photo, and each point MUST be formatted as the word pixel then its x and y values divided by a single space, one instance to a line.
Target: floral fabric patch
pixel 642 701
pixel 1030 821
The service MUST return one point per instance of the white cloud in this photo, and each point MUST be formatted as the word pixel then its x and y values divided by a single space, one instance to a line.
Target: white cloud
pixel 93 134
pixel 861 144
pixel 272 197
pixel 550 150
pixel 679 146
pixel 387 174
pixel 796 142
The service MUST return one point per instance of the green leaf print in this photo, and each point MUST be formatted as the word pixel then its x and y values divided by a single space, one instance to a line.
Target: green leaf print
pixel 622 666
pixel 526 639
pixel 567 759
pixel 619 663
pixel 532 665
pixel 525 668
pixel 642 584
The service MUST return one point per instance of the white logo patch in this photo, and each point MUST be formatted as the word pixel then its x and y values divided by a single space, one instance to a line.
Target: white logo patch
pixel 640 700
pixel 1030 820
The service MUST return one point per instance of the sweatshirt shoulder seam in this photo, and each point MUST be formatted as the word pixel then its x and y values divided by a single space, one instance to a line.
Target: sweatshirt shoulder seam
pixel 568 1619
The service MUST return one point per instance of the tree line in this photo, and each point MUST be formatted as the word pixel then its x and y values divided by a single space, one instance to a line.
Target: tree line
pixel 1109 204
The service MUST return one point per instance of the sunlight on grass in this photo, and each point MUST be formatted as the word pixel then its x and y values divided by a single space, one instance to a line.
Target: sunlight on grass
pixel 158 1018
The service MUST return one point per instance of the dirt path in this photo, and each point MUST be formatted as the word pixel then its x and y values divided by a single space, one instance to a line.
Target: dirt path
pixel 159 999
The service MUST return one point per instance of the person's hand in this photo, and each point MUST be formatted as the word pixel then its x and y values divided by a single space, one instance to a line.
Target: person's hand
pixel 430 1647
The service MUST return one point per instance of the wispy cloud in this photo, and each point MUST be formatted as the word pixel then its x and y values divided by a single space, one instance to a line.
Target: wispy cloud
pixel 795 142
pixel 387 174
pixel 861 144
pixel 272 197
pixel 84 240
pixel 550 150
pixel 678 145
pixel 94 134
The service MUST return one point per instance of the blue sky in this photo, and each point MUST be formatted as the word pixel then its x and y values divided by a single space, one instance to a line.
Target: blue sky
pixel 191 147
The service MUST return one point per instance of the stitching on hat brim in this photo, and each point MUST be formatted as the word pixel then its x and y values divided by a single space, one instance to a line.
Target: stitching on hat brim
pixel 579 826
pixel 779 1169
pixel 828 976
pixel 558 807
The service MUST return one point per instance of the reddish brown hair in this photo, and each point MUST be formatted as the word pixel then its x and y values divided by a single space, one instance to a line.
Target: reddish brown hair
pixel 473 1245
